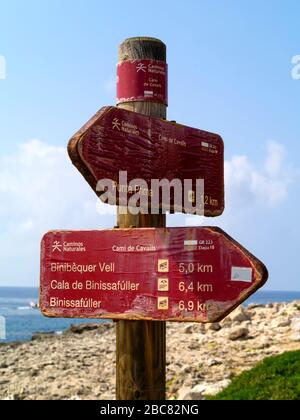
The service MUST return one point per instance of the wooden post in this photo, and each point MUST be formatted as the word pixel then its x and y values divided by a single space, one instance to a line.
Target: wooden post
pixel 141 345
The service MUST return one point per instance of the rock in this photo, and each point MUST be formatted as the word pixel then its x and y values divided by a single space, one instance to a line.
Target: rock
pixel 17 397
pixel 295 337
pixel 214 362
pixel 241 316
pixel 227 320
pixel 81 328
pixel 3 382
pixel 186 369
pixel 200 328
pixel 288 312
pixel 281 323
pixel 255 306
pixel 189 329
pixel 39 336
pixel 238 334
pixel 34 373
pixel 199 392
pixel 263 344
pixel 194 345
pixel 295 324
pixel 181 394
pixel 214 389
pixel 186 394
pixel 229 375
pixel 215 327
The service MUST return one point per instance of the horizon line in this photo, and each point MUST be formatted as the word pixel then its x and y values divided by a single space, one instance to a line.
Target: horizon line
pixel 258 291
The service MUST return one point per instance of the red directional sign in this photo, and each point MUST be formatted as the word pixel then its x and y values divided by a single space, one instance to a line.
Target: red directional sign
pixel 175 274
pixel 149 149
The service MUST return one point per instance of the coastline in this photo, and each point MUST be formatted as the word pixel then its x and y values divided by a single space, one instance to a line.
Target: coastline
pixel 22 324
pixel 201 359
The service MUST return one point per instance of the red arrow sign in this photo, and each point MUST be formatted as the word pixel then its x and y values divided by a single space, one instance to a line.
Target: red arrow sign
pixel 151 149
pixel 175 274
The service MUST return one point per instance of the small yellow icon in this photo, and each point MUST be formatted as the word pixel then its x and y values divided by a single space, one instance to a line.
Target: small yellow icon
pixel 191 196
pixel 163 285
pixel 163 303
pixel 163 266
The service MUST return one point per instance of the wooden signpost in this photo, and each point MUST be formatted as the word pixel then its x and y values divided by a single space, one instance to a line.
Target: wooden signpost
pixel 175 274
pixel 141 345
pixel 143 274
pixel 148 148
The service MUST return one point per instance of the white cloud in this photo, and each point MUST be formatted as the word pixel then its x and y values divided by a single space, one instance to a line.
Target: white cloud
pixel 267 185
pixel 251 187
pixel 40 190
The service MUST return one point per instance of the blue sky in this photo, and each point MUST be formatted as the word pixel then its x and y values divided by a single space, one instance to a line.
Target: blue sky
pixel 230 68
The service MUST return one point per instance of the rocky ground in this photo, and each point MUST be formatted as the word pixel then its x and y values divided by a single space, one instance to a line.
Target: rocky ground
pixel 80 363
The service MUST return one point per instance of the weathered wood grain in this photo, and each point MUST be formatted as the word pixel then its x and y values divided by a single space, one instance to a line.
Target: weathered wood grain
pixel 103 149
pixel 141 345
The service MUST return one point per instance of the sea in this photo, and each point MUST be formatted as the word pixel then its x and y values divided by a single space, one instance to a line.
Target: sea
pixel 18 321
